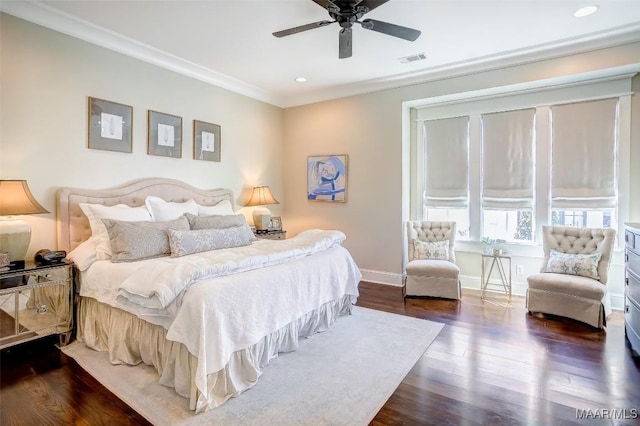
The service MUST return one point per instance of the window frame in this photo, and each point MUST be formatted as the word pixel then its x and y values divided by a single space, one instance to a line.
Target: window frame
pixel 539 95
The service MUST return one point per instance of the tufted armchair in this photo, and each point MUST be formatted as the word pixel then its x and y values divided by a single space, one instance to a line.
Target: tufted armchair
pixel 430 270
pixel 573 279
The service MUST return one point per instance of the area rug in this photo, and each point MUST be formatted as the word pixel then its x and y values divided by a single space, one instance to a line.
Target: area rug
pixel 340 377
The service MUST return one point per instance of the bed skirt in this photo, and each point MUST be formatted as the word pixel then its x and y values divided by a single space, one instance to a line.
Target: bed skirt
pixel 131 340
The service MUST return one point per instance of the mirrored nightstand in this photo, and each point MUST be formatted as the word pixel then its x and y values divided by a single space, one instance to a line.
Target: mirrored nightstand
pixel 36 301
pixel 270 235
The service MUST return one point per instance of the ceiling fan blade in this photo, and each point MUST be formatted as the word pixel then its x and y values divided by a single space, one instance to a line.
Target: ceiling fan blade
pixel 302 28
pixel 324 3
pixel 345 40
pixel 371 4
pixel 390 29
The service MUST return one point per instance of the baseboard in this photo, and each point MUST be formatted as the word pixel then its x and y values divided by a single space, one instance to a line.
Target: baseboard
pixel 617 301
pixel 518 288
pixel 380 277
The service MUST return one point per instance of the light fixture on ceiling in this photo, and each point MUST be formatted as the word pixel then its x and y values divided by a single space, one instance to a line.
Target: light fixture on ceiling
pixel 585 11
pixel 301 80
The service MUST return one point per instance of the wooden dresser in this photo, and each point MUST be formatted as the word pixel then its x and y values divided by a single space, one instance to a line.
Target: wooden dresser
pixel 632 285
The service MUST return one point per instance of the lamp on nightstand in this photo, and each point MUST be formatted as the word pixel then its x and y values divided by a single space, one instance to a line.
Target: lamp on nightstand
pixel 15 234
pixel 261 196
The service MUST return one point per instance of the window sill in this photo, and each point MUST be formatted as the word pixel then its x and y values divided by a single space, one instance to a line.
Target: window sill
pixel 514 249
pixel 531 250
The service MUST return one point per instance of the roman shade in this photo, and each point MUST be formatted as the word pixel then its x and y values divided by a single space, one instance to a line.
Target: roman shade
pixel 447 162
pixel 583 172
pixel 508 159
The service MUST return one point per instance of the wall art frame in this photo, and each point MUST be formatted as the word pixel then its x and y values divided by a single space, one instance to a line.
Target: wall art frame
pixel 327 178
pixel 164 134
pixel 206 141
pixel 109 125
pixel 275 224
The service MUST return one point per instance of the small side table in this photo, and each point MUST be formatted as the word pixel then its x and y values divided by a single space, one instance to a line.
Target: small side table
pixel 36 301
pixel 271 235
pixel 497 261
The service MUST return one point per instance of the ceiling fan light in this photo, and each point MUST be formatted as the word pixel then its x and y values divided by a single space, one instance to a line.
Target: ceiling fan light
pixel 585 11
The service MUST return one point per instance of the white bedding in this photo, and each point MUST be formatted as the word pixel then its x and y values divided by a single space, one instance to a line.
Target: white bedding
pixel 226 312
pixel 156 285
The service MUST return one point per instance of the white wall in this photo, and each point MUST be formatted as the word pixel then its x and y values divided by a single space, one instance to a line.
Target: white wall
pixel 369 129
pixel 46 78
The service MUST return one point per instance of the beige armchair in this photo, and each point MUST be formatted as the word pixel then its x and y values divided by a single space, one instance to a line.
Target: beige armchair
pixel 569 285
pixel 430 270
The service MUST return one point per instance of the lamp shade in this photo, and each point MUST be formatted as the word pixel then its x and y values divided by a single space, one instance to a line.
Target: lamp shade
pixel 16 199
pixel 15 234
pixel 261 196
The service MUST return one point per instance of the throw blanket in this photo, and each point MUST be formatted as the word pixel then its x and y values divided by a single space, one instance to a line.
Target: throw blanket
pixel 224 317
pixel 157 285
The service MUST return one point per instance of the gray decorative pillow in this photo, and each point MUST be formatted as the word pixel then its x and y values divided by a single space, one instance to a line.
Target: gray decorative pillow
pixel 188 242
pixel 436 250
pixel 585 265
pixel 214 221
pixel 131 241
pixel 219 222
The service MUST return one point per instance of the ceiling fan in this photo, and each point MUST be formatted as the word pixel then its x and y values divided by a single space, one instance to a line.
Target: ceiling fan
pixel 349 12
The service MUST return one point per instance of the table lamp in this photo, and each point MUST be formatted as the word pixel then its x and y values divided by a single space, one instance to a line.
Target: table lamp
pixel 15 234
pixel 261 196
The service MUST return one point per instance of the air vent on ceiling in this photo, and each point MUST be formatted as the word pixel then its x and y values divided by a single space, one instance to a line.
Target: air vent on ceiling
pixel 412 58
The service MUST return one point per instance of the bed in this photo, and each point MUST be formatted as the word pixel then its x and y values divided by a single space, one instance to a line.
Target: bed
pixel 208 321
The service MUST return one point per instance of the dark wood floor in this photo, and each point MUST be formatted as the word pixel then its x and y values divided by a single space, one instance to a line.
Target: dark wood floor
pixel 489 365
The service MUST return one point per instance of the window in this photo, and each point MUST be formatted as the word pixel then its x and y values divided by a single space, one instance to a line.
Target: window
pixel 459 216
pixel 583 218
pixel 583 159
pixel 508 173
pixel 503 165
pixel 508 225
pixel 447 178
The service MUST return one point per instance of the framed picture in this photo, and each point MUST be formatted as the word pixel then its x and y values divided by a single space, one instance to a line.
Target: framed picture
pixel 275 224
pixel 109 125
pixel 327 178
pixel 165 135
pixel 206 141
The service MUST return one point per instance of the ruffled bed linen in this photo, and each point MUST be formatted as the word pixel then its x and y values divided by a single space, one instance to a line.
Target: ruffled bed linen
pixel 131 340
pixel 219 333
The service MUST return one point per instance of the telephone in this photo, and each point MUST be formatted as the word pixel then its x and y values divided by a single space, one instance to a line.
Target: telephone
pixel 48 257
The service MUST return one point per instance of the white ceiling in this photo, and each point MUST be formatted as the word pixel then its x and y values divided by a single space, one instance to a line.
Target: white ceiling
pixel 229 42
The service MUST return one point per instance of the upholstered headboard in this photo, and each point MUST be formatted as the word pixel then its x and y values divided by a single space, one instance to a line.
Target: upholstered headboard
pixel 73 226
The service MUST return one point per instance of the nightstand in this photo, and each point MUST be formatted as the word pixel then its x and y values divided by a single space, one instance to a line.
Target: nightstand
pixel 271 235
pixel 36 301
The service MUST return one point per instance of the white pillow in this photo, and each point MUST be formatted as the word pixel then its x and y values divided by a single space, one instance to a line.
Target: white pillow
pixel 96 212
pixel 585 265
pixel 84 254
pixel 164 211
pixel 436 250
pixel 223 208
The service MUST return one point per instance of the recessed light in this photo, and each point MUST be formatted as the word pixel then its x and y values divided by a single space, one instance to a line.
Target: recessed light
pixel 585 11
pixel 301 80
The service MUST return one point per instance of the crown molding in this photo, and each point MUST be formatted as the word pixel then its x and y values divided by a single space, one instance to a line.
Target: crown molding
pixel 594 41
pixel 62 22
pixel 57 20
